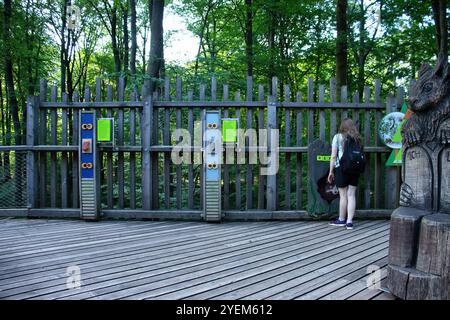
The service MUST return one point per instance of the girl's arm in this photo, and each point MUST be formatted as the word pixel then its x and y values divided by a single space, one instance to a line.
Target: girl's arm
pixel 332 164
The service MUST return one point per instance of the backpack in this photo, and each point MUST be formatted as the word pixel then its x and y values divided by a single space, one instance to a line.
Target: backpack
pixel 353 160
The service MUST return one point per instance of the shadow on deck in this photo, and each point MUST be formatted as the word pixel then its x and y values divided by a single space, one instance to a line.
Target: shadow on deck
pixel 190 260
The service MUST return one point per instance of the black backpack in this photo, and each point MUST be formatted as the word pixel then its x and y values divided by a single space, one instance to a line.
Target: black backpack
pixel 353 160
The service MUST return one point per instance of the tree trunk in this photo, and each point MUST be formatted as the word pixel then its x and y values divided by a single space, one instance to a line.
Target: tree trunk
pixel 441 26
pixel 272 46
pixel 156 63
pixel 126 48
pixel 13 105
pixel 361 51
pixel 341 45
pixel 133 43
pixel 63 53
pixel 2 123
pixel 249 37
pixel 115 47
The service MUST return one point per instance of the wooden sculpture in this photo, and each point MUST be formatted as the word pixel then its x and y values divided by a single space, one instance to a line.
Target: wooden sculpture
pixel 419 247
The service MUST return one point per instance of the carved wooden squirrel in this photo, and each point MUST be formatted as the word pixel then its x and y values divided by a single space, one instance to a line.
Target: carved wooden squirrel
pixel 430 102
pixel 429 125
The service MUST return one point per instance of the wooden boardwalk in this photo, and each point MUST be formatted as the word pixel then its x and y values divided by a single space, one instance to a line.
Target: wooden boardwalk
pixel 190 260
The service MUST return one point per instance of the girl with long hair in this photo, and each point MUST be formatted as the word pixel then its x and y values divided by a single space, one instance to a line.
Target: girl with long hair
pixel 346 183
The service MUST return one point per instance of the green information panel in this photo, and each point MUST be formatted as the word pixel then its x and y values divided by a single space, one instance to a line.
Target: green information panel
pixel 105 130
pixel 324 158
pixel 229 130
pixel 395 159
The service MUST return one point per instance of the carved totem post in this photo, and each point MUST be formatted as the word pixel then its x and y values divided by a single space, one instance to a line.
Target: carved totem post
pixel 419 246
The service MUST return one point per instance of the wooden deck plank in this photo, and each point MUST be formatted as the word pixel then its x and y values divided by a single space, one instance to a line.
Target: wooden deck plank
pixel 338 280
pixel 192 253
pixel 252 284
pixel 157 266
pixel 186 260
pixel 230 235
pixel 340 261
pixel 284 274
pixel 366 293
pixel 181 237
pixel 295 240
pixel 265 261
pixel 136 258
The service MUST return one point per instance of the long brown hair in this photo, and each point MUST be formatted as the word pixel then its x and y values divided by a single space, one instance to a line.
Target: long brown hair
pixel 348 128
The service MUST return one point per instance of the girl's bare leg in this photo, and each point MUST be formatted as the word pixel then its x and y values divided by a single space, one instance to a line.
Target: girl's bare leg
pixel 351 200
pixel 342 203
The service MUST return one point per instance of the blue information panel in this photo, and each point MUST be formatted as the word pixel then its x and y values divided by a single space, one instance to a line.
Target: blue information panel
pixel 213 141
pixel 87 136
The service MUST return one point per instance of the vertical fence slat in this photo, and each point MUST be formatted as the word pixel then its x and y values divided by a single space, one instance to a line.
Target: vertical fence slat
pixel 32 182
pixel 310 111
pixel 262 178
pixel 333 111
pixel 344 98
pixel 146 136
pixel 249 173
pixel 355 114
pixel 75 167
pixel 213 89
pixel 135 97
pixel 391 172
pixel 367 136
pixel 226 167
pixel 120 142
pixel 355 117
pixel 377 180
pixel 310 98
pixel 298 166
pixel 99 155
pixel 178 126
pixel 43 141
pixel 277 122
pixel 64 184
pixel 53 141
pixel 287 138
pixel 202 116
pixel 109 158
pixel 155 157
pixel 190 166
pixel 166 142
pixel 321 112
pixel 271 179
pixel 238 167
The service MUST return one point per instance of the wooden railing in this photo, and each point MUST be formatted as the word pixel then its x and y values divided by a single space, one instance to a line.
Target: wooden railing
pixel 138 176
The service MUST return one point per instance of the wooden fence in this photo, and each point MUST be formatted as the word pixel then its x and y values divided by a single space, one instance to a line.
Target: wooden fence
pixel 138 178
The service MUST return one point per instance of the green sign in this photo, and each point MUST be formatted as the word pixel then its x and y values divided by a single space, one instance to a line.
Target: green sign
pixel 324 158
pixel 229 130
pixel 395 159
pixel 105 130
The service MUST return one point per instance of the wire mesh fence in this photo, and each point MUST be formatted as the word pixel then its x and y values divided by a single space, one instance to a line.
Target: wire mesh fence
pixel 13 179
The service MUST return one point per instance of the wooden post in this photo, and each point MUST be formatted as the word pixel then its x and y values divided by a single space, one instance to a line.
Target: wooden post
pixel 249 173
pixel 43 141
pixel 391 172
pixel 271 179
pixel 146 134
pixel 120 141
pixel 32 178
pixel 262 178
pixel 64 184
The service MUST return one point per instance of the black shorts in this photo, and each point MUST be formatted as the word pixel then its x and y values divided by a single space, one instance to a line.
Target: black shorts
pixel 344 180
